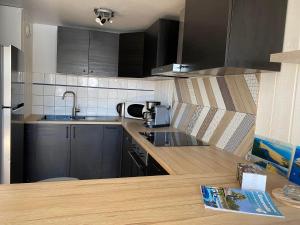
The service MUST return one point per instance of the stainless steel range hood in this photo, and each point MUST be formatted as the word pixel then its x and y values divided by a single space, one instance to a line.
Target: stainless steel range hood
pixel 172 70
pixel 231 43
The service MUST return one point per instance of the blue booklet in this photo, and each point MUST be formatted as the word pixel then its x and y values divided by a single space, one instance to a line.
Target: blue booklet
pixel 239 201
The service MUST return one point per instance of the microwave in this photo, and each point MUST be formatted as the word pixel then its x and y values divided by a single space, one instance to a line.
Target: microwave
pixel 134 110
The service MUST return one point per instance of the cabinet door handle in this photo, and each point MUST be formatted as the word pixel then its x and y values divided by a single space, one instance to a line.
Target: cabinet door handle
pixel 74 135
pixel 67 132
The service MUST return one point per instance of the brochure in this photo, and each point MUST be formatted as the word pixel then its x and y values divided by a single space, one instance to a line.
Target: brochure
pixel 239 201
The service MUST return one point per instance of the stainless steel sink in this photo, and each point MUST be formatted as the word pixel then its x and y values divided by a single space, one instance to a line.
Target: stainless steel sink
pixel 80 118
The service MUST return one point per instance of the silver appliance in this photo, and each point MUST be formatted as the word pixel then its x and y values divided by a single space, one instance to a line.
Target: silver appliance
pixel 134 110
pixel 11 114
pixel 149 112
pixel 159 116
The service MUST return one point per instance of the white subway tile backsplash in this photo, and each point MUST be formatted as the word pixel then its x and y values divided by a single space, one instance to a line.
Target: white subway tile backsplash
pixel 82 102
pixel 38 78
pixel 92 92
pixel 132 84
pixel 112 94
pixel 69 111
pixel 122 95
pixel 60 90
pixel 37 100
pixel 82 112
pixel 93 82
pixel 60 110
pixel 72 80
pixel 48 100
pixel 92 103
pixel 131 96
pixel 74 89
pixel 69 101
pixel 61 79
pixel 95 96
pixel 123 84
pixel 102 103
pixel 103 93
pixel 49 110
pixel 49 78
pixel 59 102
pixel 91 111
pixel 37 89
pixel 39 110
pixel 82 92
pixel 103 82
pixel 114 83
pixel 83 81
pixel 49 90
pixel 102 111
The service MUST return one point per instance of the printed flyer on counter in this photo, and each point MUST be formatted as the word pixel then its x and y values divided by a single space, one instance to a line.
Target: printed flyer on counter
pixel 239 201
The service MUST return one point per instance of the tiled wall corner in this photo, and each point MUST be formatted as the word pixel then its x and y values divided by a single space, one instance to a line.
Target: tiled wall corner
pixel 218 110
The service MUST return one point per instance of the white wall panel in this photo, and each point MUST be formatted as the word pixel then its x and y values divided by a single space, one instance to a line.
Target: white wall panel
pixel 44 48
pixel 265 104
pixel 11 26
pixel 279 98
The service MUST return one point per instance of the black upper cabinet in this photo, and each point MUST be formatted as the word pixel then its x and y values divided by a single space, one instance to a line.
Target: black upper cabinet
pixel 72 50
pixel 233 35
pixel 131 55
pixel 103 53
pixel 161 43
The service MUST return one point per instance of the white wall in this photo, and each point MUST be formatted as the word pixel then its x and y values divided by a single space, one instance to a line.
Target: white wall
pixel 44 48
pixel 27 49
pixel 10 26
pixel 279 99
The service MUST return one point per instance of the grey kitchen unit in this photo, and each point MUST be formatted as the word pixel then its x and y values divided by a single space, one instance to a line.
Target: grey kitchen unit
pixel 72 50
pixel 81 51
pixel 81 151
pixel 103 53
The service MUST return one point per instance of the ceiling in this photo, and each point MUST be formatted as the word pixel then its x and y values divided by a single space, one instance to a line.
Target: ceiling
pixel 130 15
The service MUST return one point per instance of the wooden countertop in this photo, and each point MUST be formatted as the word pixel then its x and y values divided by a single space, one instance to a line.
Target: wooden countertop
pixel 173 199
pixel 143 200
pixel 184 160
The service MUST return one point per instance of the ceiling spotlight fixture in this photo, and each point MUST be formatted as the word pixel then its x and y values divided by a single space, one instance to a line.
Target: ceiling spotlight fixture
pixel 103 16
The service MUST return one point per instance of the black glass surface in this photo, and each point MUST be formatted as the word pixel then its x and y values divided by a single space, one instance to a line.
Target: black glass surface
pixel 173 139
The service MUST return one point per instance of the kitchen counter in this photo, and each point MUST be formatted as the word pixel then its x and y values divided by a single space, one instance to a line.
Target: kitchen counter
pixel 173 199
pixel 142 200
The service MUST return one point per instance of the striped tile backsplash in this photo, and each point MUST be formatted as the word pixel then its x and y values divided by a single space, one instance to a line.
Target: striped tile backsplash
pixel 218 110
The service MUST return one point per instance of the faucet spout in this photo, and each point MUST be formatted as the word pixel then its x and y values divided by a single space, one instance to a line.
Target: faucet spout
pixel 75 109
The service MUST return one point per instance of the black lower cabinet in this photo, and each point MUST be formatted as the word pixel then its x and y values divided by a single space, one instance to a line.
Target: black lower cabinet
pixel 86 151
pixel 47 151
pixel 111 151
pixel 134 163
pixel 80 151
pixel 154 169
pixel 126 158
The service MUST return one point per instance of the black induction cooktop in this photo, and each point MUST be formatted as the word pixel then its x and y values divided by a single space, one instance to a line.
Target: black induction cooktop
pixel 171 139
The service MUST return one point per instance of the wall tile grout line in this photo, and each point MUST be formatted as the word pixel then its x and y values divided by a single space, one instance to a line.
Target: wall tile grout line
pixel 77 86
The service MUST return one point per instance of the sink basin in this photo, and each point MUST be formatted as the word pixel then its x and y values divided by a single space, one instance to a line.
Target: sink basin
pixel 80 118
pixel 61 118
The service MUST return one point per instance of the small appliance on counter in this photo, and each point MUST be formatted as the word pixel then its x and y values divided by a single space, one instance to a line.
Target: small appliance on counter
pixel 132 110
pixel 172 139
pixel 156 115
pixel 121 109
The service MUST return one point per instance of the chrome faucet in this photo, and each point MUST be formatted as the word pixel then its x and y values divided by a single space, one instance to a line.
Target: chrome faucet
pixel 75 109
